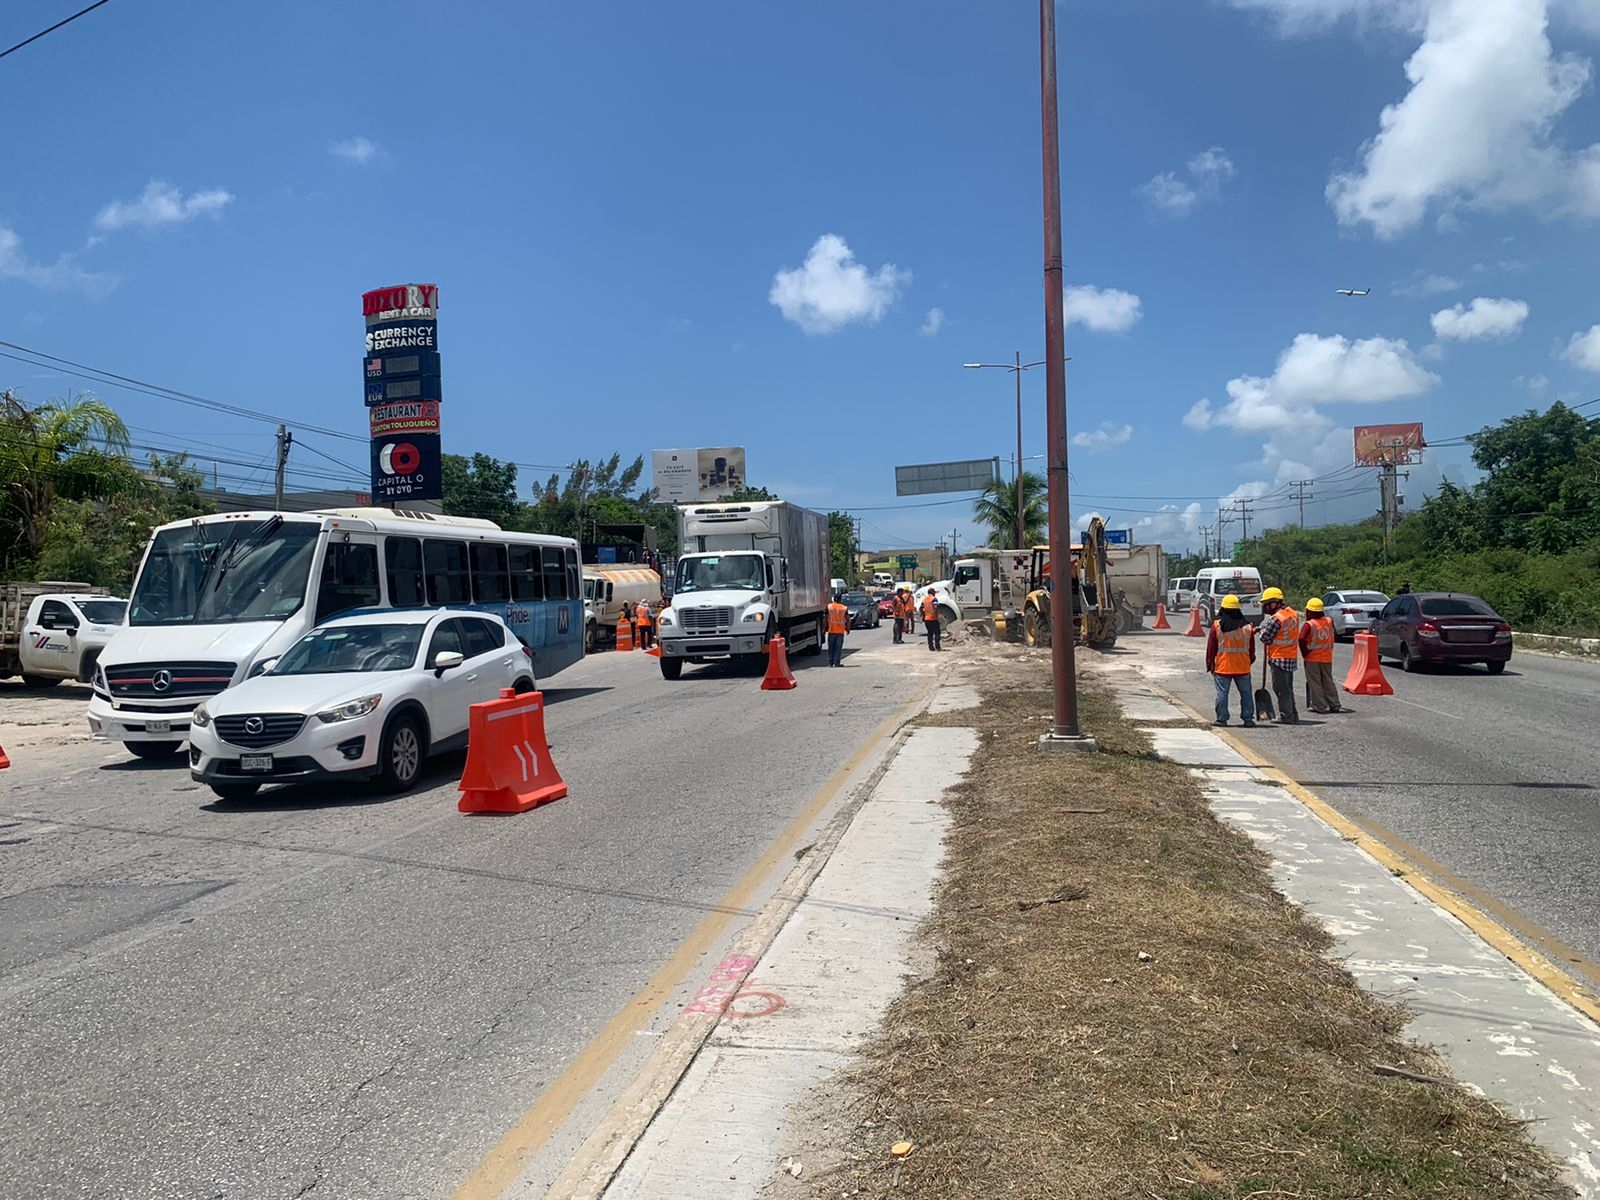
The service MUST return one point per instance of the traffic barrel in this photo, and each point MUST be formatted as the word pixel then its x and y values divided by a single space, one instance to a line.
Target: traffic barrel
pixel 779 677
pixel 624 632
pixel 1195 628
pixel 1161 621
pixel 1366 672
pixel 508 769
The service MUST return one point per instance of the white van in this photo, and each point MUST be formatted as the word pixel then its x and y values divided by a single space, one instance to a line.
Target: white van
pixel 1213 583
pixel 1181 594
pixel 882 579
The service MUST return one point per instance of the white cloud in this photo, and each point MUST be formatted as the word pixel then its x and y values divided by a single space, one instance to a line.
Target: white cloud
pixel 1171 527
pixel 1308 16
pixel 1317 370
pixel 932 323
pixel 1174 195
pixel 357 150
pixel 1422 285
pixel 161 204
pixel 63 275
pixel 1105 310
pixel 1483 320
pixel 1477 128
pixel 831 289
pixel 1107 437
pixel 1534 383
pixel 1584 349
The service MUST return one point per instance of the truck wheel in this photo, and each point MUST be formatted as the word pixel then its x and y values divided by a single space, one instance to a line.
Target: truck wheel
pixel 87 667
pixel 671 668
pixel 154 750
pixel 591 637
pixel 38 683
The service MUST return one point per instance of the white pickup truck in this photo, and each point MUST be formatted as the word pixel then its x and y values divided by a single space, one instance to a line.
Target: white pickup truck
pixel 51 631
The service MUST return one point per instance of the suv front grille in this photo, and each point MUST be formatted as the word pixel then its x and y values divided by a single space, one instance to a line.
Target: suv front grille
pixel 257 731
pixel 168 681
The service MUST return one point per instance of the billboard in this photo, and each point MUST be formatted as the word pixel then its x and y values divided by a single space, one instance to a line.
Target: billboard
pixel 968 475
pixel 400 384
pixel 690 476
pixel 1379 444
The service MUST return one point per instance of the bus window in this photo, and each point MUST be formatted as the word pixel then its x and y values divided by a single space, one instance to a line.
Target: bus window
pixel 402 557
pixel 555 573
pixel 445 564
pixel 573 591
pixel 490 584
pixel 526 581
pixel 349 579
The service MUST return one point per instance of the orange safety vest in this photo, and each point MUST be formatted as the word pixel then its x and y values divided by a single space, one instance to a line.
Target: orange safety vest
pixel 1233 649
pixel 930 608
pixel 838 618
pixel 642 613
pixel 1319 643
pixel 1287 644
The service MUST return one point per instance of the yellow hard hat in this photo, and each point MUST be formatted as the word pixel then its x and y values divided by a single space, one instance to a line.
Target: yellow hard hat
pixel 1230 602
pixel 1313 605
pixel 1272 594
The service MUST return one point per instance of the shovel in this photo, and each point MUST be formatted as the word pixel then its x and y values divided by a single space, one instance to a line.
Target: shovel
pixel 1264 708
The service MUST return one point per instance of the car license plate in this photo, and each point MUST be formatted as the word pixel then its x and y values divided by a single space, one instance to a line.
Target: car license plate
pixel 158 726
pixel 255 762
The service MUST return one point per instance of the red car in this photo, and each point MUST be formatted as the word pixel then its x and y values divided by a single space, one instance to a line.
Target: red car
pixel 886 605
pixel 1442 627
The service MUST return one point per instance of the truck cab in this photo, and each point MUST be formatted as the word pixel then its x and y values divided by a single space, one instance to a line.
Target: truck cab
pixel 59 635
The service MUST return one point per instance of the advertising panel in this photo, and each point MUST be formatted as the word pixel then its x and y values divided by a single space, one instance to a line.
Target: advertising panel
pixel 721 471
pixel 405 467
pixel 415 416
pixel 968 475
pixel 402 335
pixel 406 301
pixel 1379 444
pixel 675 475
pixel 402 366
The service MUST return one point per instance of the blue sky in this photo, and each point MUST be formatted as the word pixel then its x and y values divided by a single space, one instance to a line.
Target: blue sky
pixel 786 227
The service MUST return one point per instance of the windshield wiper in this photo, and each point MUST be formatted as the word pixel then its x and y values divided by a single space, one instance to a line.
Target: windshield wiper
pixel 239 549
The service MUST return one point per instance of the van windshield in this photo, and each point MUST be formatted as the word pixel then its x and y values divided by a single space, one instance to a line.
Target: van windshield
pixel 1229 585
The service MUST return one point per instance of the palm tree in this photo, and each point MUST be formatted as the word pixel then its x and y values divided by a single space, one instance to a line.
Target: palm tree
pixel 75 449
pixel 996 510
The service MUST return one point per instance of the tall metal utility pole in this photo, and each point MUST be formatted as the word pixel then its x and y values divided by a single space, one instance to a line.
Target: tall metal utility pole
pixel 285 440
pixel 1300 486
pixel 1243 504
pixel 1064 733
pixel 1389 497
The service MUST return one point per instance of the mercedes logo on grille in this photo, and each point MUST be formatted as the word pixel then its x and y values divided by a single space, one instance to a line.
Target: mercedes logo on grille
pixel 161 680
pixel 254 725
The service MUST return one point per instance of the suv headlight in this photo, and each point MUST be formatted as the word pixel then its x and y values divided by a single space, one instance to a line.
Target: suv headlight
pixel 349 712
pixel 201 718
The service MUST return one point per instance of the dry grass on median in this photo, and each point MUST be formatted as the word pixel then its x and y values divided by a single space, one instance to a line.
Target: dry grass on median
pixel 1044 1059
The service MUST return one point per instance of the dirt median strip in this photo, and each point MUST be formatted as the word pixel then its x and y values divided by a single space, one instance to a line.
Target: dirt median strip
pixel 1169 1028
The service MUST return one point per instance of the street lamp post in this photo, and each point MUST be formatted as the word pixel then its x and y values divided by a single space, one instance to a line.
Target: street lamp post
pixel 1016 370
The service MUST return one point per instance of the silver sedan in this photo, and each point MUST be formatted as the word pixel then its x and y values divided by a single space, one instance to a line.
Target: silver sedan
pixel 1353 612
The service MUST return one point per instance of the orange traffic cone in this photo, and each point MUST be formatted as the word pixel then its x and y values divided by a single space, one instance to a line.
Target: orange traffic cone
pixel 1366 672
pixel 1195 628
pixel 1161 621
pixel 779 677
pixel 509 769
pixel 4 761
pixel 624 634
pixel 655 650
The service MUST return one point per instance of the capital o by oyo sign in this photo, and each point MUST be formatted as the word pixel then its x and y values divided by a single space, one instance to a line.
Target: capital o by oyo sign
pixel 401 387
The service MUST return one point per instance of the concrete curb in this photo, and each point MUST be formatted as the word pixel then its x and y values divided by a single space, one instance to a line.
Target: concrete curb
pixel 1547 643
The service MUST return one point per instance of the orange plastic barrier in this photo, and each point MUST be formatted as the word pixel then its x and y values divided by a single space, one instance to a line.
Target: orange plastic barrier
pixel 779 677
pixel 1195 628
pixel 4 761
pixel 624 634
pixel 509 769
pixel 1366 673
pixel 1161 621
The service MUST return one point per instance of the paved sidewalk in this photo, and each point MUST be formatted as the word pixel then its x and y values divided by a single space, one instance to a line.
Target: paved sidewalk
pixel 816 995
pixel 1502 1031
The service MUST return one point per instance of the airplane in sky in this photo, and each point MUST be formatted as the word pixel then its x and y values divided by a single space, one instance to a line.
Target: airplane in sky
pixel 1355 291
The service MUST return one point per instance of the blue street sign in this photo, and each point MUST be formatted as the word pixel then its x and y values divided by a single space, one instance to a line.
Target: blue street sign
pixel 1119 537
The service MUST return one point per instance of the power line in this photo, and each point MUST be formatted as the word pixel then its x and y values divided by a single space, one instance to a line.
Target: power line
pixel 53 28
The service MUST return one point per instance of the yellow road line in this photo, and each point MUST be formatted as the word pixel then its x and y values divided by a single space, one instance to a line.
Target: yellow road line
pixel 499 1169
pixel 1434 881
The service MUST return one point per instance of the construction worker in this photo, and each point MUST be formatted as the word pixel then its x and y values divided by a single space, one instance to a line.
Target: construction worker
pixel 645 620
pixel 930 620
pixel 1280 635
pixel 911 609
pixel 1230 655
pixel 838 626
pixel 1316 647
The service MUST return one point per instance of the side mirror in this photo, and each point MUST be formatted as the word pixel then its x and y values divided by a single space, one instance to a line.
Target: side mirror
pixel 446 660
pixel 71 631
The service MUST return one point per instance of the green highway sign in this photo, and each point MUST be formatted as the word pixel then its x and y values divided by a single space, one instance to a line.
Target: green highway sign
pixel 908 562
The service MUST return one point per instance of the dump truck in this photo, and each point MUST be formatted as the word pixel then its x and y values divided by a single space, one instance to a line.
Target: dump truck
pixel 746 573
pixel 50 631
pixel 607 590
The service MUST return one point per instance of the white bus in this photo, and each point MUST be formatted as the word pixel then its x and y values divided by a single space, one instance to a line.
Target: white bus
pixel 219 596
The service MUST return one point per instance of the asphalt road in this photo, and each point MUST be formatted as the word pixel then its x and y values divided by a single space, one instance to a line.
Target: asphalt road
pixel 325 991
pixel 1495 777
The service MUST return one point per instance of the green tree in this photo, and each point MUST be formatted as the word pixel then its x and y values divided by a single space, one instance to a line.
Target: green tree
pixel 71 449
pixel 481 487
pixel 1537 494
pixel 750 493
pixel 842 546
pixel 996 510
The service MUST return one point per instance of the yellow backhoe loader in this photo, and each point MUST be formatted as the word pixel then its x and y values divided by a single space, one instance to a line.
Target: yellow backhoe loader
pixel 1094 609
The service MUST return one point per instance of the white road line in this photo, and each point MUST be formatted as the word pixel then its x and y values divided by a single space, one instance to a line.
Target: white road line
pixel 1437 711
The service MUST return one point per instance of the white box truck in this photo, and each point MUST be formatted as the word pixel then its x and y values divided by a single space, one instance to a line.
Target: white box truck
pixel 746 573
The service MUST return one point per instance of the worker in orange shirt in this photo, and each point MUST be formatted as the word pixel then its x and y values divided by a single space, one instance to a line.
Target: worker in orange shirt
pixel 645 620
pixel 930 620
pixel 838 626
pixel 1316 647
